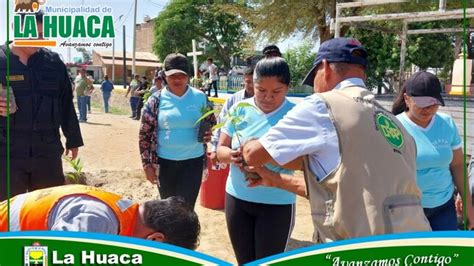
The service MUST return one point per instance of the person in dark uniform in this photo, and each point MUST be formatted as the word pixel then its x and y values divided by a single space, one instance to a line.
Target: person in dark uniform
pixel 43 94
pixel 142 89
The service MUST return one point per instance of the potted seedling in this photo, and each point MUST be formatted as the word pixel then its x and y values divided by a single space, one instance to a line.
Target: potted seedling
pixel 76 177
pixel 205 123
pixel 234 120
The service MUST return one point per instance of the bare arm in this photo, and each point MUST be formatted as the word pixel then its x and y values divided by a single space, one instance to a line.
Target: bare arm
pixel 457 171
pixel 225 154
pixel 255 154
pixel 269 178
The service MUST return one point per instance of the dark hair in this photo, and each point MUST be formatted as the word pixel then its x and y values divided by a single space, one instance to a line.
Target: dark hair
pixel 273 67
pixel 175 219
pixel 399 105
pixel 106 77
pixel 248 71
pixel 210 59
pixel 271 50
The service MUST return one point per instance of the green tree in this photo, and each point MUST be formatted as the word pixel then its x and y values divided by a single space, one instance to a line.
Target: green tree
pixel 300 59
pixel 432 50
pixel 382 41
pixel 86 55
pixel 276 20
pixel 280 19
pixel 203 20
pixel 383 56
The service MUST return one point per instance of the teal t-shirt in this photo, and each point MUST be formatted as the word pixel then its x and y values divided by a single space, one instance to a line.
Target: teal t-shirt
pixel 254 123
pixel 177 132
pixel 434 153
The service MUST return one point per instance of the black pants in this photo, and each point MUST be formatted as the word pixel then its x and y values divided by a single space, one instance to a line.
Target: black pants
pixel 30 174
pixel 442 218
pixel 258 230
pixel 181 178
pixel 213 84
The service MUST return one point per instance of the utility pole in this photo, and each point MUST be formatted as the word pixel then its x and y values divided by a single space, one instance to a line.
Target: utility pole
pixel 124 60
pixel 113 60
pixel 113 52
pixel 134 40
pixel 69 52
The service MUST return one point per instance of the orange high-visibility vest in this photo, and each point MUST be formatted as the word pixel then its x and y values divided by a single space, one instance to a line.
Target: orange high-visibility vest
pixel 30 211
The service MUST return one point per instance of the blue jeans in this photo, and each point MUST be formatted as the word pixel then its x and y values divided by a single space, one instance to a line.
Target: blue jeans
pixel 442 218
pixel 88 102
pixel 81 105
pixel 134 105
pixel 106 95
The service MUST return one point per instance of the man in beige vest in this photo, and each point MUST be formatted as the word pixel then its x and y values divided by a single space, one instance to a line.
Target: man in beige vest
pixel 359 161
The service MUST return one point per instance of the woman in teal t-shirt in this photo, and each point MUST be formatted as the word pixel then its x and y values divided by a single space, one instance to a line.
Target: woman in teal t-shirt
pixel 260 219
pixel 439 156
pixel 172 157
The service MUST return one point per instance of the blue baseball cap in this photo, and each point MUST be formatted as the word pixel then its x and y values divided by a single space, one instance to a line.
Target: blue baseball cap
pixel 348 50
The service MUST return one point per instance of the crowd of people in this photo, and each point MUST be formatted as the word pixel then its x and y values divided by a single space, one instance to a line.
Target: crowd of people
pixel 405 182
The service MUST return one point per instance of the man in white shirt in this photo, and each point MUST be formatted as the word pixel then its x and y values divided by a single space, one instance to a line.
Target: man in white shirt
pixel 213 76
pixel 351 195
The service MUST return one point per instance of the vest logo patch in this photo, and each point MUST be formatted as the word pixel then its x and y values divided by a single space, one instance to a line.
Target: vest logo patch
pixel 389 130
pixel 17 77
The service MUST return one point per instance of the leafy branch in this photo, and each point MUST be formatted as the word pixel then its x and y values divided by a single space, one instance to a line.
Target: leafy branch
pixel 232 117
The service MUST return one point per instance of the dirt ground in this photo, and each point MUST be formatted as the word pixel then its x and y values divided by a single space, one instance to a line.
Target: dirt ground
pixel 111 161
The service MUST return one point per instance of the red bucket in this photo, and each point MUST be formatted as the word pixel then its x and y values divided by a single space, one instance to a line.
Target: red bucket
pixel 213 187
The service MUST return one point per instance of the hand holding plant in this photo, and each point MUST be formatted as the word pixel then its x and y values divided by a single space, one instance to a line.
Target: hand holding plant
pixel 206 124
pixel 234 119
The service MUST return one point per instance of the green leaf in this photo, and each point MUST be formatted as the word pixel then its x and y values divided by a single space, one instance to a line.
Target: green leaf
pixel 218 125
pixel 205 115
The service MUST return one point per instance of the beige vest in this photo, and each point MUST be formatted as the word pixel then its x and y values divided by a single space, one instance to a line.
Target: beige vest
pixel 373 190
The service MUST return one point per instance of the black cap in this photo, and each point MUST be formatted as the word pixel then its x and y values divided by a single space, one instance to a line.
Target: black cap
pixel 425 89
pixel 176 63
pixel 347 50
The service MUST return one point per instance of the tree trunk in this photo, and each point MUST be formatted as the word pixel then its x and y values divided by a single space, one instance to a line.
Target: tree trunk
pixel 324 33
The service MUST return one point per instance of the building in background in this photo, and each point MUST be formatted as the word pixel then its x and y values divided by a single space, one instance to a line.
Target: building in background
pixel 144 35
pixel 145 64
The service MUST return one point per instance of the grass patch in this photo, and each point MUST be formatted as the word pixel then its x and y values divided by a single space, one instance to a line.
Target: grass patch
pixel 112 109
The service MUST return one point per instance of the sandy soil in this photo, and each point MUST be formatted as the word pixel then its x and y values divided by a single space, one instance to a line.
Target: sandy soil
pixel 111 161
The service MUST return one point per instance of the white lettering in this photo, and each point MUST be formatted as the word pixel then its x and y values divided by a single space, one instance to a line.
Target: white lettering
pixel 137 259
pixel 113 259
pixel 88 258
pixel 68 258
pixel 101 259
